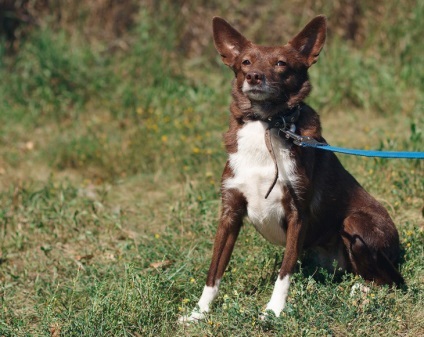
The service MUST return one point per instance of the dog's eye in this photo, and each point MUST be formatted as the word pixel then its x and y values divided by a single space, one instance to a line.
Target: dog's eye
pixel 281 63
pixel 246 62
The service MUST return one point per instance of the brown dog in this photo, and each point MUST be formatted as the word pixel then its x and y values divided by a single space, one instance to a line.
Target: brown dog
pixel 299 197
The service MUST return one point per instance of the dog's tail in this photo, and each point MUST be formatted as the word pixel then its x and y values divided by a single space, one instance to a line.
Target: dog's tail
pixel 371 264
pixel 387 268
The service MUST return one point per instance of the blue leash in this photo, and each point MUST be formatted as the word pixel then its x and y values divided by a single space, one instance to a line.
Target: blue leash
pixel 371 153
pixel 304 141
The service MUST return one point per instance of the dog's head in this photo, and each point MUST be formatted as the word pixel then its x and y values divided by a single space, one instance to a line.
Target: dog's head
pixel 270 75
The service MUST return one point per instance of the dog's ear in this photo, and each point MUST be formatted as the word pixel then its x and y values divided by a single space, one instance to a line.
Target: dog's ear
pixel 228 41
pixel 310 40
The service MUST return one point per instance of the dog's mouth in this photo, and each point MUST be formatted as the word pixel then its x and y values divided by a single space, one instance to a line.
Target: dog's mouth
pixel 255 91
pixel 258 93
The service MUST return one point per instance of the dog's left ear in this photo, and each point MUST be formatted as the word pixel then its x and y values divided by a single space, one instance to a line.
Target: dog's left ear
pixel 310 40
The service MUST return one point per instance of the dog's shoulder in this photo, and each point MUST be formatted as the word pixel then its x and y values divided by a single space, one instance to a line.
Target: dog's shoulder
pixel 309 123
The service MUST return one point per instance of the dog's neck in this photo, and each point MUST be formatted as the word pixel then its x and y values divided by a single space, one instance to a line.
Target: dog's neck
pixel 282 119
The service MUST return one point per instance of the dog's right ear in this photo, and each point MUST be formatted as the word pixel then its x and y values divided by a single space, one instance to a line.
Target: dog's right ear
pixel 228 41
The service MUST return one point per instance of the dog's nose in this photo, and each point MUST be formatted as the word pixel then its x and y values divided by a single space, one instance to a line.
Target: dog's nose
pixel 254 77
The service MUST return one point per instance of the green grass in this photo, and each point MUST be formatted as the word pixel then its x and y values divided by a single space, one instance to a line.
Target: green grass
pixel 109 183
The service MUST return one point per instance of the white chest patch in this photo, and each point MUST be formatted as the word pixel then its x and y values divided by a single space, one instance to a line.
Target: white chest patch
pixel 254 173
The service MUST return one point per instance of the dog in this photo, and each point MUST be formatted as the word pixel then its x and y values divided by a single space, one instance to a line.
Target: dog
pixel 299 197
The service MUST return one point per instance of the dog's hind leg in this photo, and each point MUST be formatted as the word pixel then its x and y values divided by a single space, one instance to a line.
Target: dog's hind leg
pixel 233 211
pixel 373 248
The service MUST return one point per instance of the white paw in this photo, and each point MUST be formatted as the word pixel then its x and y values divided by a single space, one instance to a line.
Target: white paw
pixel 359 288
pixel 194 317
pixel 266 314
pixel 278 298
pixel 202 308
pixel 272 308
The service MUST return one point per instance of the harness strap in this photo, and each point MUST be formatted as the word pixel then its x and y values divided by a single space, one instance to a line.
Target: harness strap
pixel 268 143
pixel 281 122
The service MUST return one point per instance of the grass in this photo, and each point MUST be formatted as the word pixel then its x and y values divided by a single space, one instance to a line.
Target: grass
pixel 109 184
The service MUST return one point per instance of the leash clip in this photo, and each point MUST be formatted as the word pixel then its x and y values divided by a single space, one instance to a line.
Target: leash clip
pixel 303 141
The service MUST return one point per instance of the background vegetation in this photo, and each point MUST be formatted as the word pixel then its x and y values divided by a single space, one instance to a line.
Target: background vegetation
pixel 111 116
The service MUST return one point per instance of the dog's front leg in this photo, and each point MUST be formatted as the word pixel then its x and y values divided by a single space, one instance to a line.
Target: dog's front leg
pixel 294 245
pixel 233 211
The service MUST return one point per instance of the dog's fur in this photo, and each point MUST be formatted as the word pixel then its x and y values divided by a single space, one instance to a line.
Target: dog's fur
pixel 315 204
